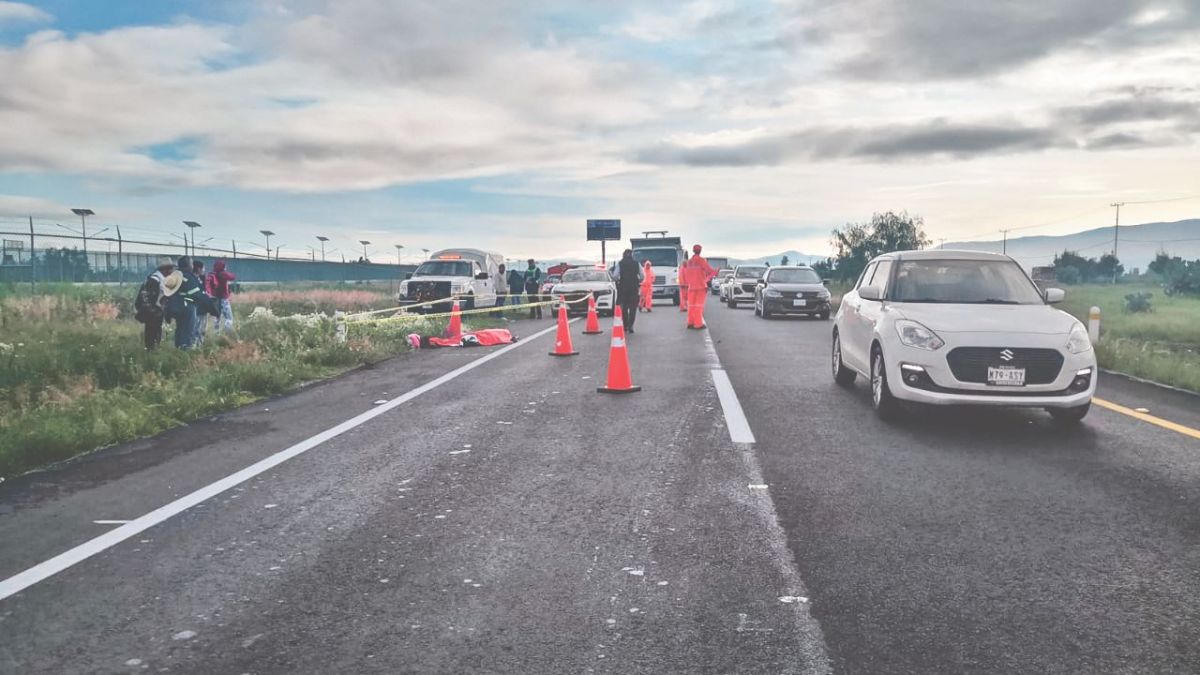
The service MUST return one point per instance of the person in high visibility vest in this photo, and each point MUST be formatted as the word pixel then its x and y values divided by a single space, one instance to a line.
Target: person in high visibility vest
pixel 647 303
pixel 696 274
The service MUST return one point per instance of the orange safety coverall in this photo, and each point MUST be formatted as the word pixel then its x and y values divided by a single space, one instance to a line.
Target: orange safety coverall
pixel 647 288
pixel 697 273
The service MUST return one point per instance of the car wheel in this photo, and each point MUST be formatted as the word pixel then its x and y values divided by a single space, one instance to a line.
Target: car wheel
pixel 841 374
pixel 732 304
pixel 763 311
pixel 886 406
pixel 1069 416
pixel 757 308
pixel 824 316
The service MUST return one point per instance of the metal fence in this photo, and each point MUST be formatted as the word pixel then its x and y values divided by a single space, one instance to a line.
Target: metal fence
pixel 38 253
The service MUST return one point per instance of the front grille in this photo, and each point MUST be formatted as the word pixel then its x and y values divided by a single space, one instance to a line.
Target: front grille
pixel 578 300
pixel 424 291
pixel 660 280
pixel 970 364
pixel 807 295
pixel 749 288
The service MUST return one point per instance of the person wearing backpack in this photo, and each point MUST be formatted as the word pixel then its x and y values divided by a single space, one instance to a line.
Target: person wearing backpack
pixel 216 284
pixel 183 305
pixel 150 300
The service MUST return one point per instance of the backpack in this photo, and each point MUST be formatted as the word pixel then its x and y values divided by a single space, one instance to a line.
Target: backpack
pixel 145 303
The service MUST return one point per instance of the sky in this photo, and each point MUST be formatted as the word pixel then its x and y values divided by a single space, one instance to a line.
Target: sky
pixel 749 126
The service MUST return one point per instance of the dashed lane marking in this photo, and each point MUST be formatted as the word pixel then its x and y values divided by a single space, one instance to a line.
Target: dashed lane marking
pixel 41 571
pixel 1145 417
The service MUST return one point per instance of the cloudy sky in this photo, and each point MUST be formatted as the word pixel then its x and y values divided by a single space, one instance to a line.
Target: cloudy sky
pixel 753 126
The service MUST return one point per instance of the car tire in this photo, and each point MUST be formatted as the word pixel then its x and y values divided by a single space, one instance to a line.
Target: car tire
pixel 732 304
pixel 841 374
pixel 886 406
pixel 1069 416
pixel 824 316
pixel 764 312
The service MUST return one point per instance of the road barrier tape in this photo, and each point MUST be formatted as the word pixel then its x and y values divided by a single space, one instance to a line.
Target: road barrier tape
pixel 403 308
pixel 405 317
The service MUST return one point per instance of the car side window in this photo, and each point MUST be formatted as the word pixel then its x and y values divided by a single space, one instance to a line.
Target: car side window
pixel 882 273
pixel 865 279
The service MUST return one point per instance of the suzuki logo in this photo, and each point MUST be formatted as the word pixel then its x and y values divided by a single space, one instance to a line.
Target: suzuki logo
pixel 1007 355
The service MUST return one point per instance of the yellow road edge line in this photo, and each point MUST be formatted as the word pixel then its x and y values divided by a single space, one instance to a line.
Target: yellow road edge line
pixel 1157 421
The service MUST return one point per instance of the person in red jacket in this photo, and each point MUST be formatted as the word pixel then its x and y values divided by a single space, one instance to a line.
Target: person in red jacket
pixel 696 275
pixel 647 288
pixel 216 284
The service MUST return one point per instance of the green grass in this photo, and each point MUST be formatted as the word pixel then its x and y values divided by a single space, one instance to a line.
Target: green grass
pixel 74 377
pixel 1162 345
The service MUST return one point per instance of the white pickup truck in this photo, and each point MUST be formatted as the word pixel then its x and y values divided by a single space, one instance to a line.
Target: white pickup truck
pixel 465 273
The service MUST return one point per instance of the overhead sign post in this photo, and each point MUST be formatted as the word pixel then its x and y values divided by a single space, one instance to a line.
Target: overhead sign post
pixel 603 231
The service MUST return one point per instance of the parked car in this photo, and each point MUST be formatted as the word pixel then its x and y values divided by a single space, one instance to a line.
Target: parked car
pixel 791 290
pixel 716 282
pixel 958 327
pixel 578 283
pixel 741 286
pixel 548 284
pixel 465 273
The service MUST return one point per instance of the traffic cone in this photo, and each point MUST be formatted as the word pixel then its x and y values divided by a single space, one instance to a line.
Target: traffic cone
pixel 454 330
pixel 619 379
pixel 562 342
pixel 593 320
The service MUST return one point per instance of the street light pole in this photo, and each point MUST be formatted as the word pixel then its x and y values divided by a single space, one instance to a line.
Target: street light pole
pixel 267 234
pixel 192 225
pixel 398 248
pixel 83 214
pixel 364 243
pixel 322 240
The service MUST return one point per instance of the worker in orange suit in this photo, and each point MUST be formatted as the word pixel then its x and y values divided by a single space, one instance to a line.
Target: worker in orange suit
pixel 683 288
pixel 697 273
pixel 647 288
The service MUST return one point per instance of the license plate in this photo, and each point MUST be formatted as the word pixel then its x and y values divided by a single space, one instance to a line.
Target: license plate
pixel 799 303
pixel 1006 376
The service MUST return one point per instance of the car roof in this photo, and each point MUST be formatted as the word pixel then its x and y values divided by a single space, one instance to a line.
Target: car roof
pixel 942 254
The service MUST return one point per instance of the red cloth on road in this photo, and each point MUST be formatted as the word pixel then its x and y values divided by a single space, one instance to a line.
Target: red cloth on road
pixel 487 337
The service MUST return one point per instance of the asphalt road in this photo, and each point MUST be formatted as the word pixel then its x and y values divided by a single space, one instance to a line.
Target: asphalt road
pixel 512 520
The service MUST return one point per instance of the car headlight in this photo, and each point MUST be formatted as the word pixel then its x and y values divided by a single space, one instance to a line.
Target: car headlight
pixel 403 287
pixel 1078 341
pixel 458 288
pixel 772 293
pixel 604 291
pixel 914 334
pixel 823 294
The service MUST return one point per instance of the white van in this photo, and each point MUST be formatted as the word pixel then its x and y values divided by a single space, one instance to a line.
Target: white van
pixel 469 274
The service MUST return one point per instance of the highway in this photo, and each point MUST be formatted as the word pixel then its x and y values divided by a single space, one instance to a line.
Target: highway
pixel 486 511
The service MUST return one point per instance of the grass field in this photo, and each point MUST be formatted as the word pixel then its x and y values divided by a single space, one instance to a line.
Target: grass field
pixel 1162 345
pixel 74 376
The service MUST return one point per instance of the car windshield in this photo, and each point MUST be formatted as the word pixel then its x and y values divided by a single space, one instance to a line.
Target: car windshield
pixel 793 277
pixel 443 268
pixel 658 257
pixel 725 274
pixel 998 282
pixel 750 272
pixel 576 276
pixel 553 279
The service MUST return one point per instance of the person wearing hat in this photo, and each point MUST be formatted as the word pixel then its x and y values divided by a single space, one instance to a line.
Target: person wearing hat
pixel 182 304
pixel 151 298
pixel 696 275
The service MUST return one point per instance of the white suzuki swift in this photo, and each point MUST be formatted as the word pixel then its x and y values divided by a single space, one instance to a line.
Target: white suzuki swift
pixel 961 327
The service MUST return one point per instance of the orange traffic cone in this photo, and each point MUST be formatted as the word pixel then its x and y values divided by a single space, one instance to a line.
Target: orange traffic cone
pixel 619 379
pixel 593 320
pixel 454 330
pixel 562 342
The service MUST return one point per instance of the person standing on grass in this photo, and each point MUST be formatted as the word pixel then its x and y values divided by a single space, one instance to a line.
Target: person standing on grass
pixel 149 303
pixel 182 306
pixel 216 284
pixel 201 325
pixel 629 281
pixel 533 282
pixel 501 288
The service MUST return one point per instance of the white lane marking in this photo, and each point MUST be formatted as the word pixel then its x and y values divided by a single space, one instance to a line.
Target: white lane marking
pixel 735 418
pixel 110 522
pixel 74 556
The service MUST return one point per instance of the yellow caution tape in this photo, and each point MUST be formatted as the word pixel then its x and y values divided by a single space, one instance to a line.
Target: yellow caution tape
pixel 405 317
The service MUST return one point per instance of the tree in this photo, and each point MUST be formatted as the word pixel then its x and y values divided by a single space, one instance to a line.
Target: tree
pixel 857 243
pixel 1072 268
pixel 784 261
pixel 1109 267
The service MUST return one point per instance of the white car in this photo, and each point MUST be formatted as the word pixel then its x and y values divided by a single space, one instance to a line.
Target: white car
pixel 575 286
pixel 959 327
pixel 717 281
pixel 741 286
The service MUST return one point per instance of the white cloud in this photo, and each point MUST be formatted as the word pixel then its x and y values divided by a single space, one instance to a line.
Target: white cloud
pixel 19 12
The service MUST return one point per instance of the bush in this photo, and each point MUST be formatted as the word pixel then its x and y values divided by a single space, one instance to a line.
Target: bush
pixel 1068 274
pixel 1137 303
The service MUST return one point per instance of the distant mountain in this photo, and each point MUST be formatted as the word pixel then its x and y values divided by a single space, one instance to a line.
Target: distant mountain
pixel 1137 245
pixel 794 257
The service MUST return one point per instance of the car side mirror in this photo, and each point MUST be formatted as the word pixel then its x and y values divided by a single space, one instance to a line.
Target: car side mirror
pixel 407 276
pixel 481 276
pixel 1054 295
pixel 869 293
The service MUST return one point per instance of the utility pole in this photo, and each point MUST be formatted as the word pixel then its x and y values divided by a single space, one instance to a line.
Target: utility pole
pixel 120 259
pixel 32 258
pixel 942 243
pixel 1116 229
